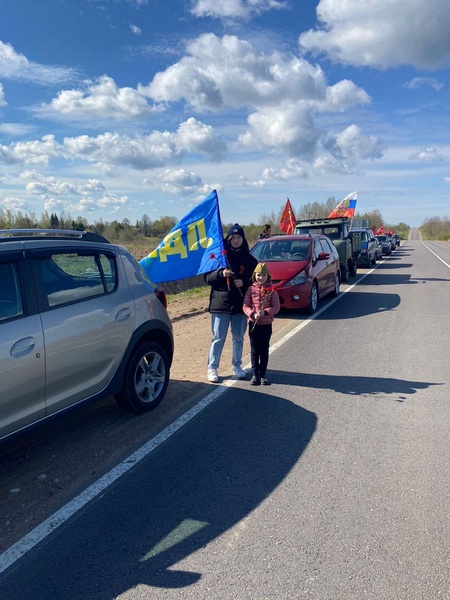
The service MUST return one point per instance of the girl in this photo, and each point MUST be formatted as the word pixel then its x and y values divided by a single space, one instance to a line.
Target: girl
pixel 261 304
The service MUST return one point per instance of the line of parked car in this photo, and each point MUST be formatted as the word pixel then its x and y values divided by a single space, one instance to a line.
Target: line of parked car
pixel 388 243
pixel 306 267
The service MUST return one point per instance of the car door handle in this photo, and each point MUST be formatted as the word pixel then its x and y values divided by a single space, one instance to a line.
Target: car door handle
pixel 22 347
pixel 123 315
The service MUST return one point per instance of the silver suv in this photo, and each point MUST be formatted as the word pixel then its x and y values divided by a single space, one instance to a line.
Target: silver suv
pixel 79 320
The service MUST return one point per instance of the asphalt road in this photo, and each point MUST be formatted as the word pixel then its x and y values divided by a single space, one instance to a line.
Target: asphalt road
pixel 333 483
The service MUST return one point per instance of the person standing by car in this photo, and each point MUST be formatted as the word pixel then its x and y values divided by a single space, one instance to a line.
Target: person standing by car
pixel 228 287
pixel 266 232
pixel 261 304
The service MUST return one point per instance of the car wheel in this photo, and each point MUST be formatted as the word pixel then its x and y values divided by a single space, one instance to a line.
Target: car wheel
pixel 353 268
pixel 146 378
pixel 313 298
pixel 337 284
pixel 345 272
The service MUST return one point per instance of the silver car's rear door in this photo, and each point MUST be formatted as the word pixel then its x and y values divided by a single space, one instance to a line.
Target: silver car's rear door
pixel 86 327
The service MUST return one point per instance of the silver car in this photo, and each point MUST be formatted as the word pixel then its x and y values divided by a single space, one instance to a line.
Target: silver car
pixel 79 320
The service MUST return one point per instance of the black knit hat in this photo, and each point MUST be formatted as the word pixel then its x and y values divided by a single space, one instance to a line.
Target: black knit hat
pixel 236 229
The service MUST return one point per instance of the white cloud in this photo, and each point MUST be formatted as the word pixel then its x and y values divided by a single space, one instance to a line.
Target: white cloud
pixel 14 204
pixel 291 170
pixel 325 165
pixel 147 152
pixel 2 96
pixel 101 100
pixel 33 152
pixel 427 155
pixel 229 72
pixel 14 129
pixel 382 33
pixel 342 96
pixel 135 29
pixel 157 149
pixel 287 128
pixel 279 93
pixel 49 185
pixel 418 82
pixel 16 66
pixel 352 144
pixel 197 137
pixel 235 9
pixel 180 181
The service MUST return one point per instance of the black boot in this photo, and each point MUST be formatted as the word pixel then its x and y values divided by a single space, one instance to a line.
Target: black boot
pixel 255 379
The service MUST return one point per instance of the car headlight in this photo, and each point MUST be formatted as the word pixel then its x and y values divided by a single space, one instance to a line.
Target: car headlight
pixel 297 280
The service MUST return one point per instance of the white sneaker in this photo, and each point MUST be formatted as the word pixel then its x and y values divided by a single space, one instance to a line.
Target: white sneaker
pixel 239 373
pixel 212 376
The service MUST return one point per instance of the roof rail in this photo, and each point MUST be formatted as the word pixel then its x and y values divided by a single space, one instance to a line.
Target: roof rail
pixel 323 220
pixel 88 236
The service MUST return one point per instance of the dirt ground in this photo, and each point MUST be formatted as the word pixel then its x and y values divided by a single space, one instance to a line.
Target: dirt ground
pixel 192 337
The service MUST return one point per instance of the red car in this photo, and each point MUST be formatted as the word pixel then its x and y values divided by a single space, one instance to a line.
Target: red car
pixel 304 268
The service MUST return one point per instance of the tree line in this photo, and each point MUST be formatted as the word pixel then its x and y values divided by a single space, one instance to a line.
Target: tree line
pixel 436 228
pixel 144 228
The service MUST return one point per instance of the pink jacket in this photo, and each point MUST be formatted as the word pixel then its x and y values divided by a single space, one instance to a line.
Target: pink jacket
pixel 259 297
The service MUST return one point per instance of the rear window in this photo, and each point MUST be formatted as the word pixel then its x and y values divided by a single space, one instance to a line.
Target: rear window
pixel 68 277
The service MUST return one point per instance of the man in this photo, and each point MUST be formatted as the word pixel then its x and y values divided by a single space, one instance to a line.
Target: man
pixel 266 232
pixel 228 287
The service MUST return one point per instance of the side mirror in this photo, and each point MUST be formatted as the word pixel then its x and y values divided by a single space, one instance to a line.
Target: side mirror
pixel 323 256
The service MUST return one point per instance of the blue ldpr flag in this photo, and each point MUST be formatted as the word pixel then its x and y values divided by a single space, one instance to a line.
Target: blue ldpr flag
pixel 194 246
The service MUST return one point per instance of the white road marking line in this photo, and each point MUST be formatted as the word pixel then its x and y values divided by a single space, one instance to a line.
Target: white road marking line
pixel 428 248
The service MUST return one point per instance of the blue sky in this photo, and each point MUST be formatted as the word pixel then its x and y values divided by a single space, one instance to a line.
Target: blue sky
pixel 112 109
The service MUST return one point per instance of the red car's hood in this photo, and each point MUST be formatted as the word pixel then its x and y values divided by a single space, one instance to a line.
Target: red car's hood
pixel 282 271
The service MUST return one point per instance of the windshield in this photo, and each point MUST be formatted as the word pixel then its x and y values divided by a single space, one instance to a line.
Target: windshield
pixel 282 250
pixel 382 238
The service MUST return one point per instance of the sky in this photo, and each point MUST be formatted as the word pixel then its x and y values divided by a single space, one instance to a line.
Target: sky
pixel 116 109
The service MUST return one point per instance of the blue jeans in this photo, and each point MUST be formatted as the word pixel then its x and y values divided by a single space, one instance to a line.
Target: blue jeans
pixel 220 322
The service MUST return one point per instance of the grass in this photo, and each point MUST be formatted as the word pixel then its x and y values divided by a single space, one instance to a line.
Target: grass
pixel 197 292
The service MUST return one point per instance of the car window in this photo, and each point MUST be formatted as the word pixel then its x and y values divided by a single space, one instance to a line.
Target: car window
pixel 326 245
pixel 332 233
pixel 10 292
pixel 317 247
pixel 68 277
pixel 300 249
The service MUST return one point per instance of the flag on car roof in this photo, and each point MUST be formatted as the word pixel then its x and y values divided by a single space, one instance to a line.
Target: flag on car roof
pixel 380 230
pixel 287 221
pixel 346 207
pixel 194 246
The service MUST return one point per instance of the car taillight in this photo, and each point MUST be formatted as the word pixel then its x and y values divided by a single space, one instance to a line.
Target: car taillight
pixel 161 295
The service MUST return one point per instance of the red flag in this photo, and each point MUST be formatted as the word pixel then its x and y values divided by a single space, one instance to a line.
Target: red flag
pixel 379 231
pixel 287 221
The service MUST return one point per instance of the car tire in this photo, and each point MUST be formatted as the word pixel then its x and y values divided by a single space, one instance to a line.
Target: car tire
pixel 345 273
pixel 146 378
pixel 337 284
pixel 353 268
pixel 313 298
